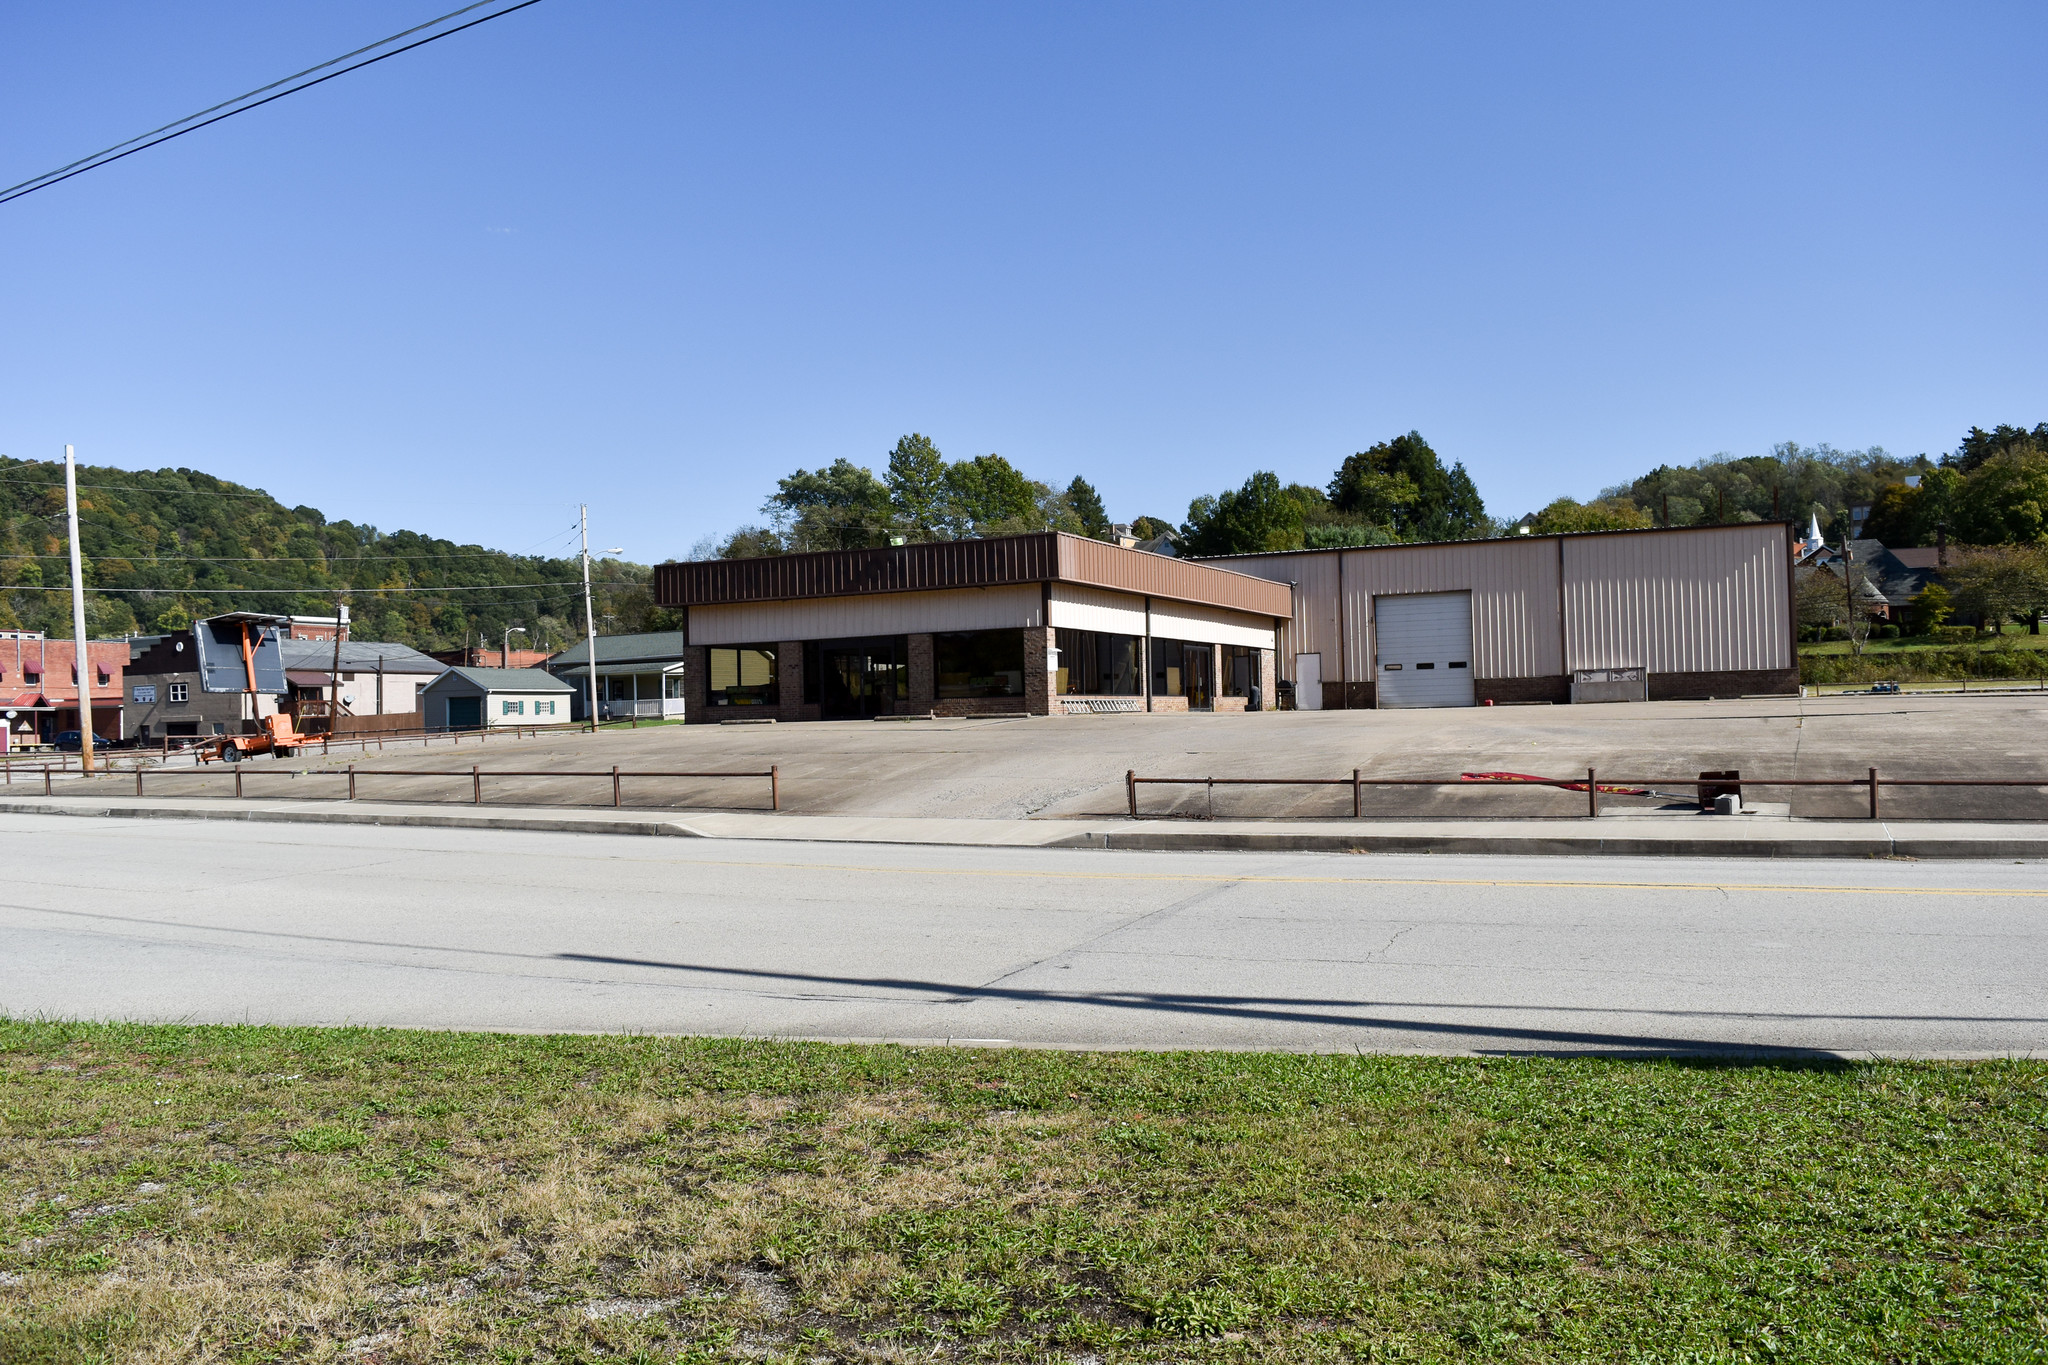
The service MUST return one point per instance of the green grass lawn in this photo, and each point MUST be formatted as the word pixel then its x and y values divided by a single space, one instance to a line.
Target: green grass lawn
pixel 248 1194
pixel 2016 635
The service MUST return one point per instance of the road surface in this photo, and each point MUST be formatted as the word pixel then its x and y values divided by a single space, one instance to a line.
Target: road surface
pixel 189 921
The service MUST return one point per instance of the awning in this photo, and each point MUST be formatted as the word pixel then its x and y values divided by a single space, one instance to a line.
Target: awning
pixel 309 679
pixel 620 670
pixel 25 699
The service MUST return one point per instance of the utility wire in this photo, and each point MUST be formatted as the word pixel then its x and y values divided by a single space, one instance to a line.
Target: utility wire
pixel 192 123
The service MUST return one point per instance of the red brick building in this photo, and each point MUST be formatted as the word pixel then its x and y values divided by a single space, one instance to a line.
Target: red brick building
pixel 39 686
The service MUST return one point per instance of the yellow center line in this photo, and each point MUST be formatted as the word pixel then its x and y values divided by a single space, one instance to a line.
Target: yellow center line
pixel 1354 881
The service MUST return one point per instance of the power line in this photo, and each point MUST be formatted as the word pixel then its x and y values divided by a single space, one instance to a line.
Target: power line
pixel 321 589
pixel 192 123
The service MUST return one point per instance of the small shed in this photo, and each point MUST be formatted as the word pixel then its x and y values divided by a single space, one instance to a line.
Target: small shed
pixel 476 698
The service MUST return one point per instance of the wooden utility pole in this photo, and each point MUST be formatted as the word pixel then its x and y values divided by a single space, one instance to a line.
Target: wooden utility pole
pixel 82 666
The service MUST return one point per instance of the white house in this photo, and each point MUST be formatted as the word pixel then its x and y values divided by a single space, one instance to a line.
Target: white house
pixel 473 698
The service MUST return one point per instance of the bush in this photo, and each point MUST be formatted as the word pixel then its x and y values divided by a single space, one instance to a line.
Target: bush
pixel 1886 633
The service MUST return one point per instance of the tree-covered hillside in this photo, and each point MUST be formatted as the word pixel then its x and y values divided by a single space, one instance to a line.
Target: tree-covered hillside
pixel 164 547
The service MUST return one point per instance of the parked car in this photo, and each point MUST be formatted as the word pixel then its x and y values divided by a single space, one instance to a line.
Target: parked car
pixel 68 741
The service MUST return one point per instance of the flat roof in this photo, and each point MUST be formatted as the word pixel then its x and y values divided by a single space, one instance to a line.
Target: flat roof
pixel 928 566
pixel 1518 538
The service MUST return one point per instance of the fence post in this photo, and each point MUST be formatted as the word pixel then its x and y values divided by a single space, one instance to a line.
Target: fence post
pixel 46 779
pixel 238 779
pixel 138 780
pixel 1131 789
pixel 351 781
pixel 775 786
pixel 1592 795
pixel 476 785
pixel 1357 796
pixel 615 786
pixel 1873 793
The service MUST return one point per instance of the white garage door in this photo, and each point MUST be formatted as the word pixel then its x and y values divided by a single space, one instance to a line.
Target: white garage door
pixel 1423 644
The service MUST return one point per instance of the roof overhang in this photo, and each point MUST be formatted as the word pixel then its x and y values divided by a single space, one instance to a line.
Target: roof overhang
pixel 1002 561
pixel 622 670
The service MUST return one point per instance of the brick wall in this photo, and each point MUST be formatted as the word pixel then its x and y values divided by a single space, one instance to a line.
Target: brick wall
pixel 1269 679
pixel 789 682
pixel 1745 683
pixel 696 697
pixel 1038 647
pixel 1522 691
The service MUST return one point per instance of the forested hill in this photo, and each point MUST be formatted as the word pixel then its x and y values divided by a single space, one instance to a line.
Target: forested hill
pixel 167 546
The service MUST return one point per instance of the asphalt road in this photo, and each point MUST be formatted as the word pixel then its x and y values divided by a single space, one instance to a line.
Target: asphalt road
pixel 125 919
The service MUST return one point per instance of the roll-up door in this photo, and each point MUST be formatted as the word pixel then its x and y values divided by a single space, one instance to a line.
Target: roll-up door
pixel 1423 647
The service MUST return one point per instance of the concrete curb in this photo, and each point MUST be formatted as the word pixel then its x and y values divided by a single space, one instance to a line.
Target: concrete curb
pixel 1777 840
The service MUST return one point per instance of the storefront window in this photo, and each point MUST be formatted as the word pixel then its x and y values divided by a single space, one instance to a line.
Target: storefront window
pixel 980 663
pixel 741 677
pixel 1180 668
pixel 1093 663
pixel 1240 670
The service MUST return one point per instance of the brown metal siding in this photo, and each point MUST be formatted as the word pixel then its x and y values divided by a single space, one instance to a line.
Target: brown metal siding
pixel 1037 558
pixel 1111 566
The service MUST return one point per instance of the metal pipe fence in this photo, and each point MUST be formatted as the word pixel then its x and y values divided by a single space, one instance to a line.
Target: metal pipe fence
pixel 476 775
pixel 1592 784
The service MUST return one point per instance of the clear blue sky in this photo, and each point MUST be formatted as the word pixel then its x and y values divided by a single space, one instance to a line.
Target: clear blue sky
pixel 654 255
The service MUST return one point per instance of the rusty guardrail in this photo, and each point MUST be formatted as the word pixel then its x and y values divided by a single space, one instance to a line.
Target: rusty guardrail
pixel 476 776
pixel 1592 784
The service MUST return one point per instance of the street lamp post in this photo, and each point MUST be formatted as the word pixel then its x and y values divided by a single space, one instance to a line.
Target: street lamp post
pixel 505 653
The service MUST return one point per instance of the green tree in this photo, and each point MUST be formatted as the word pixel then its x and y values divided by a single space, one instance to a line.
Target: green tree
pixel 1444 503
pixel 842 506
pixel 917 484
pixel 1151 528
pixel 1930 609
pixel 2001 583
pixel 1087 507
pixel 1979 445
pixel 2004 500
pixel 988 494
pixel 1260 516
pixel 1605 514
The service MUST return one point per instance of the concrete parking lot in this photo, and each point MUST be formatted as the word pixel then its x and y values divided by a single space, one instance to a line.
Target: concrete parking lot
pixel 1073 767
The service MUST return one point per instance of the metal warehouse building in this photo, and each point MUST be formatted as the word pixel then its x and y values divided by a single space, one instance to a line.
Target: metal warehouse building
pixel 1040 624
pixel 1615 615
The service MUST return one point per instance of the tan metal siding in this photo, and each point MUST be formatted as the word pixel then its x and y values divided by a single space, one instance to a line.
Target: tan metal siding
pixel 1312 629
pixel 1078 608
pixel 1702 601
pixel 1514 601
pixel 1210 625
pixel 896 613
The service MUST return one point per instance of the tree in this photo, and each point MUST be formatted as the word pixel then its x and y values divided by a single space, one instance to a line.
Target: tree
pixel 1844 600
pixel 1606 514
pixel 1086 505
pixel 1151 528
pixel 1444 504
pixel 1260 516
pixel 2001 583
pixel 1980 445
pixel 988 493
pixel 1930 608
pixel 2004 500
pixel 842 506
pixel 917 483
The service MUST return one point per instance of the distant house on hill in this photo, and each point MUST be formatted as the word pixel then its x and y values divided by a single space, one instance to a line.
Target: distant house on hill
pixel 637 675
pixel 1891 579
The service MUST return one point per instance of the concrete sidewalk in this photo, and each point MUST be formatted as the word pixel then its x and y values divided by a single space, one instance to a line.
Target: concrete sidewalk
pixel 1653 834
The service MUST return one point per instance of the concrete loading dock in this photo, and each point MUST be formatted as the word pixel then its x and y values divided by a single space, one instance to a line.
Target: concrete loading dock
pixel 1696 612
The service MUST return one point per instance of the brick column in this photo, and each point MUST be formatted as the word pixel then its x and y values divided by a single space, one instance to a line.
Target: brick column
pixel 924 688
pixel 696 686
pixel 1269 679
pixel 789 680
pixel 1215 674
pixel 1038 643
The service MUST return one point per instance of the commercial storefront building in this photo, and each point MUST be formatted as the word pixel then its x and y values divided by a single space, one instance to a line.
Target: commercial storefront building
pixel 1040 624
pixel 1613 615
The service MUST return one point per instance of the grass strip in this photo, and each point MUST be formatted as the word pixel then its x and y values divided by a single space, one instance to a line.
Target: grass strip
pixel 254 1194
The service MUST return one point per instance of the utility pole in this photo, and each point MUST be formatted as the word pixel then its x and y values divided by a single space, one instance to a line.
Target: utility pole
pixel 505 654
pixel 83 665
pixel 589 618
pixel 334 695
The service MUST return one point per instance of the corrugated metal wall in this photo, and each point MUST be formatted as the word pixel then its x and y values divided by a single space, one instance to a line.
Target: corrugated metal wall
pixel 1709 599
pixel 894 613
pixel 1687 602
pixel 900 568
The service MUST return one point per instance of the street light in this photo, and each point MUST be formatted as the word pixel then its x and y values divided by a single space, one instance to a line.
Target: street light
pixel 505 653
